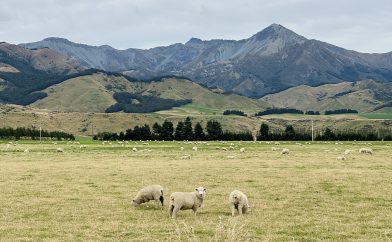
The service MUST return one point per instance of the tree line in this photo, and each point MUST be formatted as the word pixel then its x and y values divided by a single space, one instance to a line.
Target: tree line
pixel 184 130
pixel 235 112
pixel 33 134
pixel 290 134
pixel 297 111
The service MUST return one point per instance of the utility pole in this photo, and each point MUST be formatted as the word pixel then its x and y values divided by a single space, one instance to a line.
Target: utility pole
pixel 312 131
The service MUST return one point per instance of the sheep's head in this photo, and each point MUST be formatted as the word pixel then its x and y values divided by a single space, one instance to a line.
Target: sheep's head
pixel 134 203
pixel 200 192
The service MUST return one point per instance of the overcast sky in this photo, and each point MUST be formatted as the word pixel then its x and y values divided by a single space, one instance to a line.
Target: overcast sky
pixel 361 25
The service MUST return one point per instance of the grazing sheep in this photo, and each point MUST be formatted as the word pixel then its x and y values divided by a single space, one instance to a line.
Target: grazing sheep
pixel 26 151
pixel 134 149
pixel 366 151
pixel 341 157
pixel 231 148
pixel 238 202
pixel 83 146
pixel 223 148
pixel 347 152
pixel 181 148
pixel 194 148
pixel 59 150
pixel 242 150
pixel 145 144
pixel 186 157
pixel 7 147
pixel 152 192
pixel 285 151
pixel 274 149
pixel 186 200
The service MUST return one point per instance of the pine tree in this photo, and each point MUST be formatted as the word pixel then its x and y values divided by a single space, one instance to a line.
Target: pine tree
pixel 157 131
pixel 264 132
pixel 199 133
pixel 167 130
pixel 187 130
pixel 178 135
pixel 214 130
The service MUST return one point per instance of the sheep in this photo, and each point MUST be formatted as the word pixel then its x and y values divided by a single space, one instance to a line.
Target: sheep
pixel 238 202
pixel 285 151
pixel 341 157
pixel 134 149
pixel 83 146
pixel 224 149
pixel 181 148
pixel 274 149
pixel 26 151
pixel 59 150
pixel 231 147
pixel 145 144
pixel 366 151
pixel 242 150
pixel 186 200
pixel 230 157
pixel 152 192
pixel 194 148
pixel 347 152
pixel 186 157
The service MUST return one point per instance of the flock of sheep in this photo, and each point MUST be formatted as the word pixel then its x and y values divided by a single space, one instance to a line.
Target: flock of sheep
pixel 238 201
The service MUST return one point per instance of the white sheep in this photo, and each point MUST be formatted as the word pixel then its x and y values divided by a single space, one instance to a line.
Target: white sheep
pixel 26 151
pixel 194 148
pixel 242 150
pixel 60 150
pixel 181 148
pixel 366 151
pixel 224 149
pixel 231 147
pixel 134 149
pixel 347 152
pixel 186 200
pixel 341 157
pixel 230 157
pixel 285 151
pixel 152 192
pixel 275 149
pixel 186 157
pixel 238 202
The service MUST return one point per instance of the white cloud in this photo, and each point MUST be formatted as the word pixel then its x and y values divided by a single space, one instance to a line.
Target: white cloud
pixel 360 25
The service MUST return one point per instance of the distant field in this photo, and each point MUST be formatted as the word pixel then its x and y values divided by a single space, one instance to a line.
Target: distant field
pixel 85 193
pixel 377 115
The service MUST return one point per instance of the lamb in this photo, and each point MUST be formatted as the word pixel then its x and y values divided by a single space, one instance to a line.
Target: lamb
pixel 186 200
pixel 285 151
pixel 238 202
pixel 152 192
pixel 194 148
pixel 366 151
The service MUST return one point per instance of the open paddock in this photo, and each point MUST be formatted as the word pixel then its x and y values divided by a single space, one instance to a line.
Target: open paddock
pixel 85 192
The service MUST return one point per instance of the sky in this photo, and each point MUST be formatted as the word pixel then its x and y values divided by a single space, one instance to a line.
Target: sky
pixel 361 25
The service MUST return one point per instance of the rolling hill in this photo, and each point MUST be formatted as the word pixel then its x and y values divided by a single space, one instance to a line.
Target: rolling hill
pixel 364 96
pixel 270 61
pixel 95 93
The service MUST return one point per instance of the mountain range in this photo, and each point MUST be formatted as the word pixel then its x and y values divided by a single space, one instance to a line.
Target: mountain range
pixel 275 67
pixel 270 61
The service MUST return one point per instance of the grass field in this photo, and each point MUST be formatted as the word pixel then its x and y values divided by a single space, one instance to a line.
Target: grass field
pixel 85 193
pixel 377 115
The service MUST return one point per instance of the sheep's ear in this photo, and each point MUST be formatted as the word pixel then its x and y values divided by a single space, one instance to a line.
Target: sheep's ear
pixel 196 189
pixel 205 189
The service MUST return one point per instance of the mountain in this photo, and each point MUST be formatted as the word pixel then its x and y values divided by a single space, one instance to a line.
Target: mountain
pixel 100 92
pixel 25 71
pixel 364 96
pixel 270 61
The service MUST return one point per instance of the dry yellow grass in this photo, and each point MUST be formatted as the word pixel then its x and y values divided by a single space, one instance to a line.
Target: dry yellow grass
pixel 85 193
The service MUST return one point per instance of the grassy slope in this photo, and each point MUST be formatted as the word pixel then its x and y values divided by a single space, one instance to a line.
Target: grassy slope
pixel 89 123
pixel 322 98
pixel 94 94
pixel 85 194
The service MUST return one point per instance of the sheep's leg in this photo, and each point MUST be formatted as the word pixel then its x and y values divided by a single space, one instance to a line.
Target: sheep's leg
pixel 240 207
pixel 194 210
pixel 171 207
pixel 232 210
pixel 245 209
pixel 175 210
